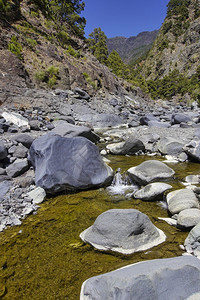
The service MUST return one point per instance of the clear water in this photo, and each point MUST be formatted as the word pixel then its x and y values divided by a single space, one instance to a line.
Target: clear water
pixel 44 257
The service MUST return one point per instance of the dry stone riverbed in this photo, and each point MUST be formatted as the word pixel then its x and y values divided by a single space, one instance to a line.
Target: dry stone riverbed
pixel 44 258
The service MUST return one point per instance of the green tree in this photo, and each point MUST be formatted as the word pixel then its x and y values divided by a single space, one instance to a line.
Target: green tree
pixel 97 44
pixel 118 67
pixel 69 11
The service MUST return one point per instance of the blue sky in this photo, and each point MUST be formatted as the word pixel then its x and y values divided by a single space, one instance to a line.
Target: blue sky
pixel 124 17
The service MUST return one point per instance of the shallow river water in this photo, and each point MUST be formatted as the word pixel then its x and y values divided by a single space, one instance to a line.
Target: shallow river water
pixel 44 257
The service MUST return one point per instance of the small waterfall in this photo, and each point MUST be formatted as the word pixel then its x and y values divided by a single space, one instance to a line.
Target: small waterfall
pixel 121 184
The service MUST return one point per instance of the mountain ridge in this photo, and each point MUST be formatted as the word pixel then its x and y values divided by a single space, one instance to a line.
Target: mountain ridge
pixel 133 47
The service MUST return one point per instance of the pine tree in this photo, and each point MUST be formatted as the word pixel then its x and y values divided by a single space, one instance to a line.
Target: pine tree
pixel 97 44
pixel 118 67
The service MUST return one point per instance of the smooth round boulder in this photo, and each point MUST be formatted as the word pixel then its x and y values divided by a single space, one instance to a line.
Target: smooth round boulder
pixel 152 192
pixel 123 230
pixel 170 278
pixel 180 118
pixel 150 171
pixel 181 199
pixel 170 146
pixel 129 147
pixel 148 118
pixel 188 218
pixel 193 179
pixel 68 164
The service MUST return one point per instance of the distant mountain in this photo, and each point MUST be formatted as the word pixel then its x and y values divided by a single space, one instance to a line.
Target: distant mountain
pixel 130 49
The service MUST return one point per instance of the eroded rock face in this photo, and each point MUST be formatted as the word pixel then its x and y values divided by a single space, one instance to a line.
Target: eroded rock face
pixel 149 171
pixel 172 278
pixel 123 230
pixel 68 164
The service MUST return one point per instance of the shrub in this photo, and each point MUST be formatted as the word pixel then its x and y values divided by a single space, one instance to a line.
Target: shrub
pixel 63 38
pixel 40 76
pixel 52 81
pixel 73 52
pixel 32 43
pixel 52 71
pixel 49 76
pixel 15 47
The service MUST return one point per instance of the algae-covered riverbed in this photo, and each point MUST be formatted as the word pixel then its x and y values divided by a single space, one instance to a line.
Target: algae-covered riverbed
pixel 44 257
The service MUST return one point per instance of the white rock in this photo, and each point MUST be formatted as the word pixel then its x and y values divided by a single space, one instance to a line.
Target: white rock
pixel 16 119
pixel 37 195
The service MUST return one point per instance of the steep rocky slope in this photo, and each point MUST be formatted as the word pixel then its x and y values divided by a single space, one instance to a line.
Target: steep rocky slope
pixel 177 45
pixel 133 47
pixel 45 55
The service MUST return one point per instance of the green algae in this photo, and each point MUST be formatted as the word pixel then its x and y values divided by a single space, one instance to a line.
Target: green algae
pixel 44 257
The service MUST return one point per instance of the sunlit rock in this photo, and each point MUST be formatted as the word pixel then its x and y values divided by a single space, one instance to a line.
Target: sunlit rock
pixel 68 164
pixel 171 278
pixel 149 171
pixel 152 191
pixel 123 230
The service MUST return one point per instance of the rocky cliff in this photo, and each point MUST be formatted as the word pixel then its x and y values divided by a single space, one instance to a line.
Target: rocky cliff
pixel 177 45
pixel 133 47
pixel 35 51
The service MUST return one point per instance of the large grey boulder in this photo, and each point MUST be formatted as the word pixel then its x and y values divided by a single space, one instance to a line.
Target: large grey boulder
pixel 152 191
pixel 130 147
pixel 188 217
pixel 69 130
pixel 123 230
pixel 150 171
pixel 170 146
pixel 181 199
pixel 193 150
pixel 148 118
pixel 178 118
pixel 161 279
pixel 100 120
pixel 68 164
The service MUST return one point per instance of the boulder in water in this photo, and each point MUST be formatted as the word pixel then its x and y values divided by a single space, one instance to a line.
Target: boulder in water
pixel 171 278
pixel 181 199
pixel 188 218
pixel 123 230
pixel 150 171
pixel 152 191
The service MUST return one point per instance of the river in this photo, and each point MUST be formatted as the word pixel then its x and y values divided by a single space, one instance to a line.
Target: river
pixel 44 257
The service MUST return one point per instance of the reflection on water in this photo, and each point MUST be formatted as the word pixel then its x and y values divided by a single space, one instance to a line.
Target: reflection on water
pixel 44 257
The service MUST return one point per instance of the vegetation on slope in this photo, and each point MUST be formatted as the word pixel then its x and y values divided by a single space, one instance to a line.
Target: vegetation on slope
pixel 167 70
